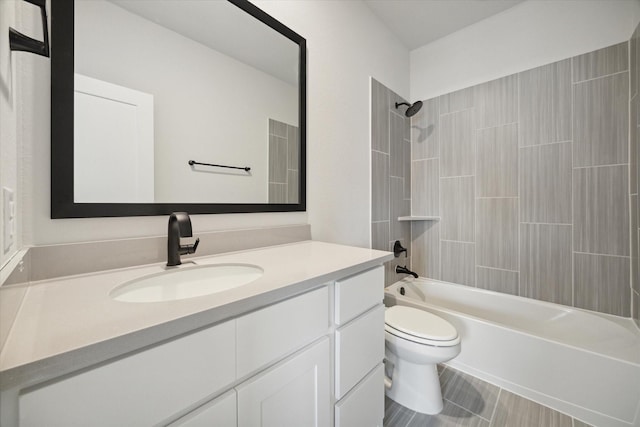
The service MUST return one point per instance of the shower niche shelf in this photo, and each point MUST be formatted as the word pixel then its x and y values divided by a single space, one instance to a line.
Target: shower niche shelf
pixel 418 218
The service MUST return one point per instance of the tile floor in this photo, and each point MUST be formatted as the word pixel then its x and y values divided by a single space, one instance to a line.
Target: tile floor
pixel 471 402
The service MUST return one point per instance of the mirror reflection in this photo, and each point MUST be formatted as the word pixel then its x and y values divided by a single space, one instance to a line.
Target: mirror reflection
pixel 158 84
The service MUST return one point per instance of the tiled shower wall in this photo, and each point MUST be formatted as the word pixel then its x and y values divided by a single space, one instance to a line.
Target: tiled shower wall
pixel 634 67
pixel 283 162
pixel 530 176
pixel 390 176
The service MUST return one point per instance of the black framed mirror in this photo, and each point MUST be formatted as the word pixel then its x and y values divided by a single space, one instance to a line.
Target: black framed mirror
pixel 168 118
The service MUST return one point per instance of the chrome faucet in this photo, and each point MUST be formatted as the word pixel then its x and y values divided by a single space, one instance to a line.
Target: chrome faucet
pixel 179 226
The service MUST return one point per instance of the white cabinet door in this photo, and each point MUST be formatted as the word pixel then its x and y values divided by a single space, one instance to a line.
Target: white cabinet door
pixel 220 412
pixel 359 348
pixel 293 393
pixel 364 405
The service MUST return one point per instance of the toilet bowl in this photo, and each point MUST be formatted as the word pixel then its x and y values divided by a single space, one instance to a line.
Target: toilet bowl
pixel 415 342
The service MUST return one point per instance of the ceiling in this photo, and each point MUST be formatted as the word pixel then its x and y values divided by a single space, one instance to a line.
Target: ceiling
pixel 418 22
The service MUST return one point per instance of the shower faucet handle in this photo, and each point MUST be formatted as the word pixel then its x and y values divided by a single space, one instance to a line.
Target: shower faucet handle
pixel 398 249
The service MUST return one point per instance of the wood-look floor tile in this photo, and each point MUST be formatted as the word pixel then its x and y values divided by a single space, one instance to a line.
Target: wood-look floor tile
pixel 451 416
pixel 516 411
pixel 396 415
pixel 470 393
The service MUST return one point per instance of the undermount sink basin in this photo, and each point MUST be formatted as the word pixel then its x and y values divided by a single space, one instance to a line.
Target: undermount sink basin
pixel 186 282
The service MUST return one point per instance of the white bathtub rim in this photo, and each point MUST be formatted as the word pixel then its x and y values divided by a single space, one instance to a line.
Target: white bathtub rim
pixel 625 322
pixel 392 289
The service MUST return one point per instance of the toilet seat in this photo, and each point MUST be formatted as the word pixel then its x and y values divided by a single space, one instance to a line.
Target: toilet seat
pixel 420 326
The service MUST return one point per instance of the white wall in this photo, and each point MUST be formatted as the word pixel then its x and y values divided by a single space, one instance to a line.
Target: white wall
pixel 526 36
pixel 8 119
pixel 16 96
pixel 204 117
pixel 346 45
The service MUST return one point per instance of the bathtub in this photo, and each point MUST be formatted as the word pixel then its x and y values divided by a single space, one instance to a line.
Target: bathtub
pixel 582 363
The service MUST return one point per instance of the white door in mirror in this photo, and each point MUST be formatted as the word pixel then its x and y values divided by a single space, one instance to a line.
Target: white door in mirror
pixel 186 283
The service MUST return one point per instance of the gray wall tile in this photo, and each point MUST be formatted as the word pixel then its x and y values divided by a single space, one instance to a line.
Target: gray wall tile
pixel 633 65
pixel 633 148
pixel 497 162
pixel 545 183
pixel 407 169
pixel 601 125
pixel 513 410
pixel 497 233
pixel 379 186
pixel 601 210
pixel 426 187
pixel 496 102
pixel 545 104
pixel 457 144
pixel 609 60
pixel 425 131
pixel 396 145
pixel 292 186
pixel 635 314
pixel 497 280
pixel 602 283
pixel 293 150
pixel 277 193
pixel 545 262
pixel 380 235
pixel 635 275
pixel 400 230
pixel 425 248
pixel 278 159
pixel 458 262
pixel 459 100
pixel 457 209
pixel 380 104
pixel 277 128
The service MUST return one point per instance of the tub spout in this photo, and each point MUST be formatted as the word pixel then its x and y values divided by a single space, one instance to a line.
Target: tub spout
pixel 405 270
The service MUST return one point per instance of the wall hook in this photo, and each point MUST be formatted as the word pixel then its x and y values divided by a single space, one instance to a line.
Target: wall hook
pixel 22 42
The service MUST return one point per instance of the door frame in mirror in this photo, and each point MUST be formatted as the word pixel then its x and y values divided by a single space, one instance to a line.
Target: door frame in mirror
pixel 62 131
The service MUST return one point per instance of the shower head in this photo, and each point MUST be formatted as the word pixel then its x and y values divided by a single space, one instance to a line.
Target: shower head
pixel 412 108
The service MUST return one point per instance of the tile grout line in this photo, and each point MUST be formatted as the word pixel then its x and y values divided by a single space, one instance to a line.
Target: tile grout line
pixel 609 255
pixel 600 166
pixel 545 143
pixel 495 408
pixel 595 78
pixel 573 254
pixel 499 269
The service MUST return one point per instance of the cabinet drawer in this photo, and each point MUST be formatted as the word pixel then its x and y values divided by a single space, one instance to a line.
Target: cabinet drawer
pixel 359 348
pixel 294 393
pixel 143 389
pixel 364 405
pixel 221 412
pixel 268 334
pixel 357 294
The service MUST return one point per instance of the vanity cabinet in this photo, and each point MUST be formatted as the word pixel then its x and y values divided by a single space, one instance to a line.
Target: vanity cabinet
pixel 359 349
pixel 221 412
pixel 282 365
pixel 294 393
pixel 140 389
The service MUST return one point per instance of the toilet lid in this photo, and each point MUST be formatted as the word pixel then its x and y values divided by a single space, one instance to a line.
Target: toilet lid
pixel 419 323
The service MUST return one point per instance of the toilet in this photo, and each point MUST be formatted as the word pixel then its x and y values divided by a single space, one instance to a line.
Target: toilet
pixel 415 342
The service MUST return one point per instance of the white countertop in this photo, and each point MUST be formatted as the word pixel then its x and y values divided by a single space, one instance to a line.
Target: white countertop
pixel 70 323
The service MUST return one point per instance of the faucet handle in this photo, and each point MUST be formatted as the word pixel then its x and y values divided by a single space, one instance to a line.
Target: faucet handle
pixel 189 249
